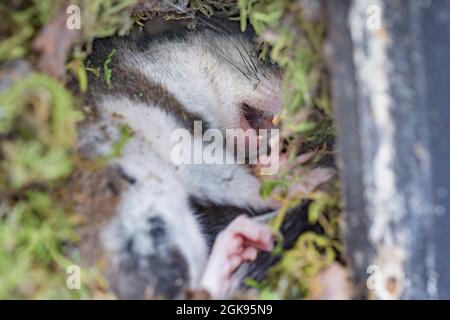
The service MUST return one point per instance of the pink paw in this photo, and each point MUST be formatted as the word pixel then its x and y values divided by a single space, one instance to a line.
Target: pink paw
pixel 239 242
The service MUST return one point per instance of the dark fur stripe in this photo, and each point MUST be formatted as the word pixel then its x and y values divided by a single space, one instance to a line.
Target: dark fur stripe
pixel 213 217
pixel 132 84
pixel 137 87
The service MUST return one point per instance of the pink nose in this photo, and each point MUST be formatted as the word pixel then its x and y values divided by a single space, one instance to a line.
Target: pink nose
pixel 272 103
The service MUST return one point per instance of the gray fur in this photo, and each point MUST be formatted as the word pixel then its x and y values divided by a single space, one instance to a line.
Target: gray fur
pixel 159 238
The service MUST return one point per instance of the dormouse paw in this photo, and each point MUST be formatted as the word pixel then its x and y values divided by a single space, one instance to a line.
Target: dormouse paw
pixel 240 242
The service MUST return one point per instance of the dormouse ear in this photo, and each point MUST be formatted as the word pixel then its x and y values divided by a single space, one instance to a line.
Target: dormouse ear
pixel 224 26
pixel 157 26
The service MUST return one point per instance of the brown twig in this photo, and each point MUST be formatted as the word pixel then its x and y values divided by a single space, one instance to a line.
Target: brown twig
pixel 54 42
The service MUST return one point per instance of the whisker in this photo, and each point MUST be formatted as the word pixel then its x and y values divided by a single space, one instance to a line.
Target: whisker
pixel 249 64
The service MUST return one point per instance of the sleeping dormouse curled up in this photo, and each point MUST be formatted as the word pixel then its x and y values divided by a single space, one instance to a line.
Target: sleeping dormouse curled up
pixel 165 227
pixel 224 150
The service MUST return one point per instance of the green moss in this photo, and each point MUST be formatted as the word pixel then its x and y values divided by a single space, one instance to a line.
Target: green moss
pixel 107 73
pixel 31 261
pixel 125 135
pixel 38 116
pixel 37 123
pixel 295 44
pixel 20 21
